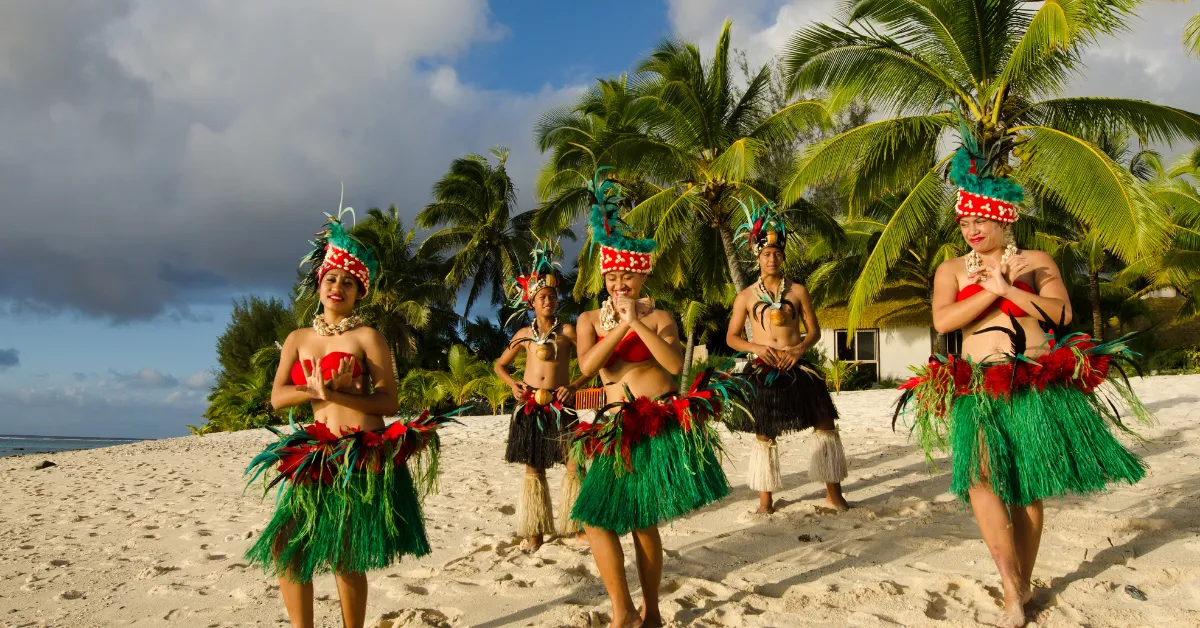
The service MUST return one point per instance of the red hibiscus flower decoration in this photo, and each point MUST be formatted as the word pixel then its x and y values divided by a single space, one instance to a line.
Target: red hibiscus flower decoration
pixel 395 431
pixel 371 439
pixel 321 432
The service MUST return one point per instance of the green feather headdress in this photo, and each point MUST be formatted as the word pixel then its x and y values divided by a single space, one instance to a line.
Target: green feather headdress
pixel 764 226
pixel 334 247
pixel 620 249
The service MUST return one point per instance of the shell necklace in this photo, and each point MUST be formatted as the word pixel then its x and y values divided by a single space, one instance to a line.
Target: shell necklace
pixel 323 327
pixel 545 343
pixel 773 302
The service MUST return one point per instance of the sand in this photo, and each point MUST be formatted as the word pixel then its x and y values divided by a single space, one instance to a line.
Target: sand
pixel 152 534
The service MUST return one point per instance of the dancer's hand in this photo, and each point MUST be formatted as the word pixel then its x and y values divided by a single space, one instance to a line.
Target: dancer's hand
pixel 994 283
pixel 767 354
pixel 315 384
pixel 563 393
pixel 627 310
pixel 1015 266
pixel 343 378
pixel 789 357
pixel 519 389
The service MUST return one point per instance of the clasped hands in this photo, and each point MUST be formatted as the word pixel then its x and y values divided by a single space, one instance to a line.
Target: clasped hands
pixel 562 393
pixel 317 388
pixel 997 278
pixel 783 359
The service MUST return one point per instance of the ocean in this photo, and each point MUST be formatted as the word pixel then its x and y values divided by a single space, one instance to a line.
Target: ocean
pixel 17 445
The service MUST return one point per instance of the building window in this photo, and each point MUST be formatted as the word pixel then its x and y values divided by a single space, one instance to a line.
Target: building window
pixel 954 342
pixel 863 348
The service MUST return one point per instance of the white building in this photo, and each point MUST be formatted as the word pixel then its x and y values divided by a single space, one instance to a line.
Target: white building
pixel 891 336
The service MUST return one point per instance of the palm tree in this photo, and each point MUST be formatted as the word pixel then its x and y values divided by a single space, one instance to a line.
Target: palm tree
pixel 486 339
pixel 408 287
pixel 1076 247
pixel 476 202
pixel 464 377
pixel 702 308
pixel 418 390
pixel 999 63
pixel 496 391
pixel 685 142
pixel 909 281
pixel 1178 190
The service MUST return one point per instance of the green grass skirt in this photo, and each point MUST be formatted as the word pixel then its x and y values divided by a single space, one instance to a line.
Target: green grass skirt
pixel 320 527
pixel 672 474
pixel 1039 444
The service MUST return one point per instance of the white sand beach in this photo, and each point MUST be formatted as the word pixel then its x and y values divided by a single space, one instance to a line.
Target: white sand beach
pixel 152 534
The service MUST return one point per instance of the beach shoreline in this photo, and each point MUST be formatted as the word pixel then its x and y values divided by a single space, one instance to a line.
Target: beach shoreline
pixel 152 533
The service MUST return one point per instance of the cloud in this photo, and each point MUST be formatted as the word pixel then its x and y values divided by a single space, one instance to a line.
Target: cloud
pixel 200 380
pixel 1146 63
pixel 9 358
pixel 160 155
pixel 144 404
pixel 145 379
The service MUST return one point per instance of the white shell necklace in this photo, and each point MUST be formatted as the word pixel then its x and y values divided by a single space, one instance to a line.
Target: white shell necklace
pixel 323 328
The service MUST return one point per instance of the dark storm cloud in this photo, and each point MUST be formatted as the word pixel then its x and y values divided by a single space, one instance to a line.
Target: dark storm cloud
pixel 9 358
pixel 158 155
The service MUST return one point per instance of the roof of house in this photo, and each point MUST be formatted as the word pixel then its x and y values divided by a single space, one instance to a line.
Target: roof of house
pixel 890 314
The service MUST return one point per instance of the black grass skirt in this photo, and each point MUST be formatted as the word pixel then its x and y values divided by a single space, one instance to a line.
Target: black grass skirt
pixel 537 435
pixel 786 401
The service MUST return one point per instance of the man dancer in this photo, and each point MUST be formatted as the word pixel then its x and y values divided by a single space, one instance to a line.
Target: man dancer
pixel 790 395
pixel 545 398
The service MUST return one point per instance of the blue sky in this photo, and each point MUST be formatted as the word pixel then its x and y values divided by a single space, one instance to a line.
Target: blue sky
pixel 163 159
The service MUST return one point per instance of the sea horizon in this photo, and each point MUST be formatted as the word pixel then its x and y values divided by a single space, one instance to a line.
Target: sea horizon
pixel 23 444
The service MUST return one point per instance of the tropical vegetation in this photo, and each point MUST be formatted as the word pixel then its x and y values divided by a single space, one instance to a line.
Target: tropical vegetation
pixel 849 131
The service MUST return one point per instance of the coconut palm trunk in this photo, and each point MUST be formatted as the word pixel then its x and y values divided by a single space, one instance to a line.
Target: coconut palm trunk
pixel 688 353
pixel 1094 292
pixel 735 270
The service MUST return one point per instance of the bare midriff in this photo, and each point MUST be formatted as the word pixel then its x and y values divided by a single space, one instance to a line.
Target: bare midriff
pixel 548 374
pixel 782 336
pixel 645 379
pixel 338 418
pixel 993 345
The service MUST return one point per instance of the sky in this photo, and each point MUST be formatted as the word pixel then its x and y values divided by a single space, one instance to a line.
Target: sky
pixel 164 159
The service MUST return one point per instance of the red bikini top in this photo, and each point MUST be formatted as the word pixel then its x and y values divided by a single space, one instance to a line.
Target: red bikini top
pixel 1006 306
pixel 329 364
pixel 631 349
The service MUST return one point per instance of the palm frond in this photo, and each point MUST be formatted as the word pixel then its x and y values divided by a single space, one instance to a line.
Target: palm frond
pixel 1089 185
pixel 912 218
pixel 1094 117
pixel 1191 35
pixel 843 155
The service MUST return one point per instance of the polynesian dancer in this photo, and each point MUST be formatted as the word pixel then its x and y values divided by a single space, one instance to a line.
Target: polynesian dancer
pixel 1021 408
pixel 654 449
pixel 545 402
pixel 346 500
pixel 789 393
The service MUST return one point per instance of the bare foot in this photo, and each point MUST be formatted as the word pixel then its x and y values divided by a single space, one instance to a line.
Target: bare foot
pixel 837 503
pixel 1013 616
pixel 531 544
pixel 653 621
pixel 632 621
pixel 1026 594
pixel 765 510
